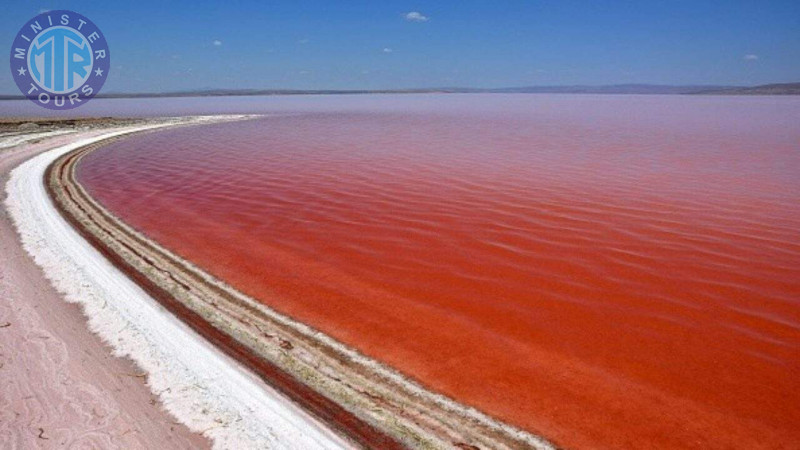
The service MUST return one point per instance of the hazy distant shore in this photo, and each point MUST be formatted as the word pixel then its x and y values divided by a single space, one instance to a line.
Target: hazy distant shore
pixel 640 89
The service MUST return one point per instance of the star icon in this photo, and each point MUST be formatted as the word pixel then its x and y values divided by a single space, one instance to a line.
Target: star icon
pixel 98 72
pixel 21 71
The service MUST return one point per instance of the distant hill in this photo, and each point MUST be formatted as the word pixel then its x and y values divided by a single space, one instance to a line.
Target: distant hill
pixel 577 89
pixel 765 89
pixel 614 89
pixel 649 89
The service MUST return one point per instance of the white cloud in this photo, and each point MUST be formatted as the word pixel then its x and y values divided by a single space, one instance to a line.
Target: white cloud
pixel 44 10
pixel 217 43
pixel 750 57
pixel 387 50
pixel 303 41
pixel 415 16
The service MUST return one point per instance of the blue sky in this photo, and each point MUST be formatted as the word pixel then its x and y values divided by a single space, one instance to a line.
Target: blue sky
pixel 177 45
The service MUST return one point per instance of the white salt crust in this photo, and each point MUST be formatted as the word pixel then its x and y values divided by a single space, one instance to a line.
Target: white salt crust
pixel 204 389
pixel 13 140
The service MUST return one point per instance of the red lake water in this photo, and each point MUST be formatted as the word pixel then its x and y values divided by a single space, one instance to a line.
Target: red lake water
pixel 608 272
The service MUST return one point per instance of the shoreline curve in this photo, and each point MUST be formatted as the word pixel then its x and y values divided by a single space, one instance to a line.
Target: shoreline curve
pixel 200 386
pixel 362 399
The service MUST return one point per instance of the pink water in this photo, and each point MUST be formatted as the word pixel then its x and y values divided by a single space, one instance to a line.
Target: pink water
pixel 605 271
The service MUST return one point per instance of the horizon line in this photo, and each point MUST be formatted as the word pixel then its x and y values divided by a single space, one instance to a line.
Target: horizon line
pixel 620 88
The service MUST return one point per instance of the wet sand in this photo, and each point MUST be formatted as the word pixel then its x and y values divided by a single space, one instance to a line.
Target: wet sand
pixel 60 386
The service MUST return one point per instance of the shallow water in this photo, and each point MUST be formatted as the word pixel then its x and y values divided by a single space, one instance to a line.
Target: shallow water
pixel 608 271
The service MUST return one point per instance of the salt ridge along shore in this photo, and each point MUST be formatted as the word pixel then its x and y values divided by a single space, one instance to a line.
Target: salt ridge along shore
pixel 59 383
pixel 366 401
pixel 199 385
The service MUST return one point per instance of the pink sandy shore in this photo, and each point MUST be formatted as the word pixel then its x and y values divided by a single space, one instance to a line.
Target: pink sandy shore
pixel 59 384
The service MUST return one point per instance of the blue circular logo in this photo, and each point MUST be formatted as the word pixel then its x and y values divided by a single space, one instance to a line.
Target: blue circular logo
pixel 60 59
